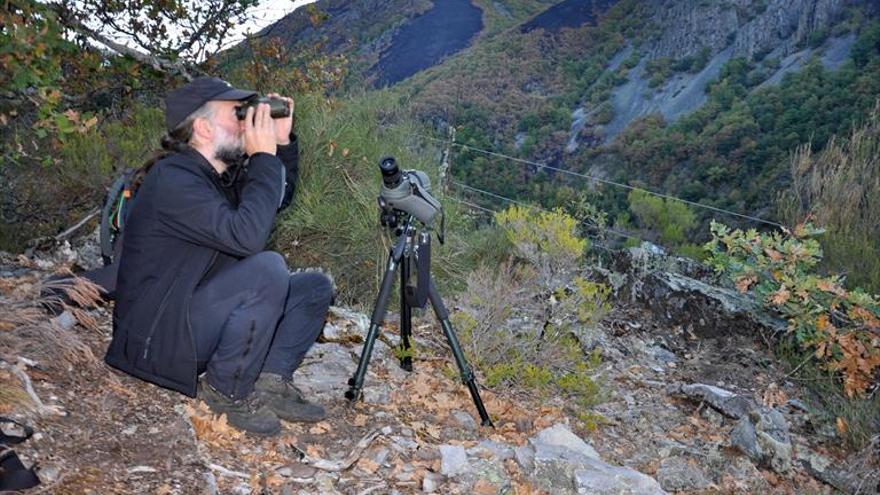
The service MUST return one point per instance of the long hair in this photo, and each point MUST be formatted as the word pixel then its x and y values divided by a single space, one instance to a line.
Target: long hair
pixel 175 141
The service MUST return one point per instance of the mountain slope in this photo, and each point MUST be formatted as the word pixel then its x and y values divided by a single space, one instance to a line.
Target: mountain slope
pixel 695 98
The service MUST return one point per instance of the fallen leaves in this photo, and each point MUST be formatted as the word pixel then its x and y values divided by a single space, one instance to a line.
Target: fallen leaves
pixel 320 428
pixel 367 465
pixel 360 420
pixel 774 396
pixel 209 428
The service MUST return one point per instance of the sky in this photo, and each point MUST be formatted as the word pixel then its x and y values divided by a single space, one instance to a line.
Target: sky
pixel 263 15
pixel 267 12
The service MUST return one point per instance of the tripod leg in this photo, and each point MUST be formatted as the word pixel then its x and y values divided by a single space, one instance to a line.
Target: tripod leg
pixel 405 319
pixel 467 375
pixel 356 382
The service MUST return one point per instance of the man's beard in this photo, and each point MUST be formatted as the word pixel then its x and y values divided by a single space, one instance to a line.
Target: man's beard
pixel 232 155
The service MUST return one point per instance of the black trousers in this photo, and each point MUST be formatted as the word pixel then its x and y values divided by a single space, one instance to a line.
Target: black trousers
pixel 254 316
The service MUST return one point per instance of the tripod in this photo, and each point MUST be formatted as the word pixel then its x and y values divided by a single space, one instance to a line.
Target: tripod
pixel 412 247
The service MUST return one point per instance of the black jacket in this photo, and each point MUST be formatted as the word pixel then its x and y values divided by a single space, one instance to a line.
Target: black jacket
pixel 186 221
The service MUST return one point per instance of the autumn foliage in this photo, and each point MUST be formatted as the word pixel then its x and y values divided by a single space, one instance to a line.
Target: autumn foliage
pixel 840 326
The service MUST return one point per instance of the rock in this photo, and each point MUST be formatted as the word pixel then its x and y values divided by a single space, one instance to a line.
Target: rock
pixel 403 444
pixel 380 456
pixel 763 436
pixel 380 394
pixel 325 371
pixel 65 320
pixel 559 435
pixel 678 474
pixel 48 473
pixel 662 355
pixel 487 474
pixel 712 416
pixel 453 460
pixel 555 466
pixel 600 478
pixel 347 324
pixel 734 471
pixel 658 282
pixel 725 401
pixel 561 462
pixel 326 483
pixel 525 457
pixel 498 450
pixel 430 482
pixel 426 453
pixel 464 419
pixel 833 473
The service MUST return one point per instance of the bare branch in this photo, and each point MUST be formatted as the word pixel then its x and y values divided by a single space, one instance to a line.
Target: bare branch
pixel 160 64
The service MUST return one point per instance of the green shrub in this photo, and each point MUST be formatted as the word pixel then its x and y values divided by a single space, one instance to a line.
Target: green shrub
pixel 61 186
pixel 526 322
pixel 669 221
pixel 841 327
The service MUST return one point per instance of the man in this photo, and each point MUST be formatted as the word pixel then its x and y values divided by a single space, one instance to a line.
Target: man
pixel 196 292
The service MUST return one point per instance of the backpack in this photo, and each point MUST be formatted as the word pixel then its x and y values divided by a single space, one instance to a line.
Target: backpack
pixel 117 204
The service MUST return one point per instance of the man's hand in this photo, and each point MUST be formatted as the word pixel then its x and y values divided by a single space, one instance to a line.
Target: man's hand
pixel 259 131
pixel 285 125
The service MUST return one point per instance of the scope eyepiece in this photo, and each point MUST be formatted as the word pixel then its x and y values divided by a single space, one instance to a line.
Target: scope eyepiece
pixel 391 175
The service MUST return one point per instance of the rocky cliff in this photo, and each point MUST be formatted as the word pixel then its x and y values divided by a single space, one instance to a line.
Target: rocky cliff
pixel 791 31
pixel 749 27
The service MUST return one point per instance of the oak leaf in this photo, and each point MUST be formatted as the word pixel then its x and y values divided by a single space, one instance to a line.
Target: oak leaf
pixel 744 282
pixel 781 296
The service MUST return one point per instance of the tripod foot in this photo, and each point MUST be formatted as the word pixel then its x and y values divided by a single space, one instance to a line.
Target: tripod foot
pixel 406 364
pixel 353 393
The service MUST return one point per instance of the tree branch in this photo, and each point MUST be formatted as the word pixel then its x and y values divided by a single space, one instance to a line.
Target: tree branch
pixel 160 64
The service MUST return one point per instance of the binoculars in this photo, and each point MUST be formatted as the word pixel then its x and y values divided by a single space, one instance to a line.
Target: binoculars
pixel 278 107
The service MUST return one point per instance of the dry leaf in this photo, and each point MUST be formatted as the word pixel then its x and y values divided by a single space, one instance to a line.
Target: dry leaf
pixel 842 426
pixel 831 287
pixel 773 396
pixel 483 487
pixel 315 450
pixel 773 254
pixel 214 430
pixel 743 283
pixel 322 427
pixel 360 420
pixel 780 297
pixel 368 465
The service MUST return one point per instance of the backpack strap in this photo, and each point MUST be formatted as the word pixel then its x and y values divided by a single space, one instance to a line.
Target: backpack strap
pixel 114 213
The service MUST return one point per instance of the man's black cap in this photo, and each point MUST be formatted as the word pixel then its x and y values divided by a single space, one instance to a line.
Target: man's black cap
pixel 183 101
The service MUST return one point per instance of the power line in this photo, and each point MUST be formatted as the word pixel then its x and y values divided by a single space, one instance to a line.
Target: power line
pixel 472 205
pixel 498 196
pixel 603 181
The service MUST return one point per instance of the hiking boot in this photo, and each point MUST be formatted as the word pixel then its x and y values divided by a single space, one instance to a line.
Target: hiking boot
pixel 246 414
pixel 285 400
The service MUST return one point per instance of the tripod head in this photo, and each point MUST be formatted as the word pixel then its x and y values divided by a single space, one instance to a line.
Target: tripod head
pixel 407 193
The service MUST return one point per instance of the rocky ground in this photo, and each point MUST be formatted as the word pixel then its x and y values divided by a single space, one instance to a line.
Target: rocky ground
pixel 688 410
